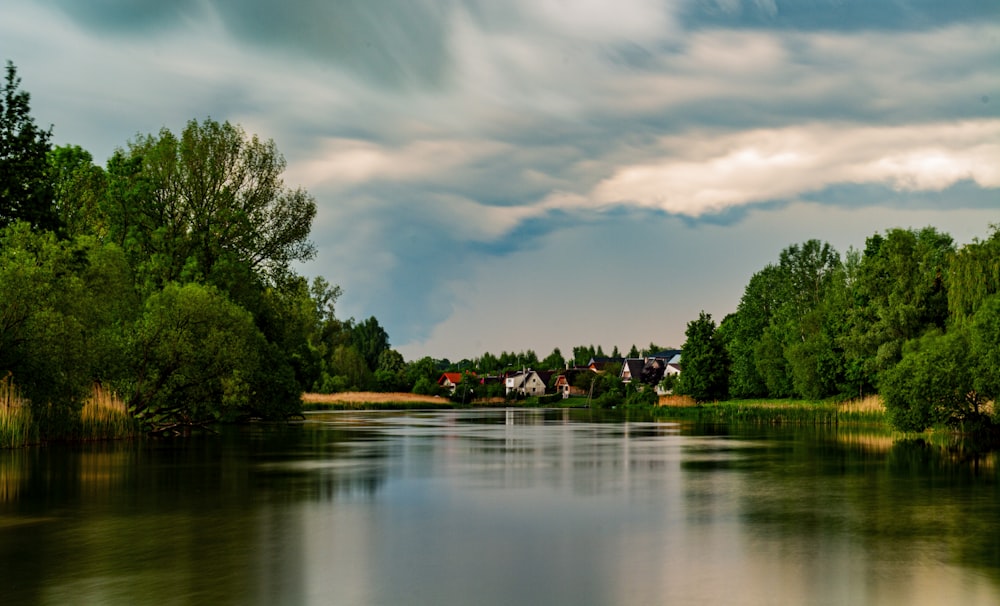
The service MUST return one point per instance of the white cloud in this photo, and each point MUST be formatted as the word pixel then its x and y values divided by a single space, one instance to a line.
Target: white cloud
pixel 700 173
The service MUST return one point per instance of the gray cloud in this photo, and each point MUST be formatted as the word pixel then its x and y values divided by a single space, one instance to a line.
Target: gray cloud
pixel 446 139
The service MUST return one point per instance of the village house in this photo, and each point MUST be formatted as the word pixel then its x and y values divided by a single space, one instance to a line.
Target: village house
pixel 526 383
pixel 450 380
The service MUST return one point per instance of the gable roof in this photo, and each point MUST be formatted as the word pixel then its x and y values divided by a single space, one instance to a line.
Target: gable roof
pixel 634 367
pixel 453 377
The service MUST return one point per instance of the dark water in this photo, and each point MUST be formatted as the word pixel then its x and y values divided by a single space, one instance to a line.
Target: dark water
pixel 501 507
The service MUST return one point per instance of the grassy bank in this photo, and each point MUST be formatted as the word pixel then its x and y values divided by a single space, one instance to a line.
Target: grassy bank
pixel 103 417
pixel 868 410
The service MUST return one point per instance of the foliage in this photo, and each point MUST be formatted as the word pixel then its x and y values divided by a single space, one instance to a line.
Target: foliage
pixel 78 190
pixel 195 355
pixel 705 366
pixel 973 276
pixel 553 361
pixel 25 190
pixel 369 339
pixel 207 206
pixel 63 309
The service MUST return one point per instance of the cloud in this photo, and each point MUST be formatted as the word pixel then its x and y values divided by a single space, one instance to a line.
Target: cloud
pixel 703 173
pixel 444 139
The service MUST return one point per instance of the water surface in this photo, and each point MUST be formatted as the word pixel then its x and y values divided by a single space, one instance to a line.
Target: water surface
pixel 501 507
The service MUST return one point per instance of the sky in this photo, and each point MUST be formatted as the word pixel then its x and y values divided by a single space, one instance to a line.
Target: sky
pixel 531 174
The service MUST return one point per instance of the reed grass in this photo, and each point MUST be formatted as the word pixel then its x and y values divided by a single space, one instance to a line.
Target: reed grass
pixel 105 417
pixel 16 428
pixel 796 412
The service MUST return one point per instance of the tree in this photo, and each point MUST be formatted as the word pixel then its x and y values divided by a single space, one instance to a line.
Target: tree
pixel 25 189
pixel 64 306
pixel 931 384
pixel 78 189
pixel 900 294
pixel 743 331
pixel 973 276
pixel 554 360
pixel 209 205
pixel 705 367
pixel 370 340
pixel 634 352
pixel 195 354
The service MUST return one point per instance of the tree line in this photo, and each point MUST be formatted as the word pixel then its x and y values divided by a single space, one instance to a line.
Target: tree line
pixel 911 317
pixel 167 276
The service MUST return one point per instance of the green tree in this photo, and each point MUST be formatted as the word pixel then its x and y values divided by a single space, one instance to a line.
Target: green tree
pixel 705 366
pixel 78 190
pixel 195 354
pixel 63 305
pixel 742 332
pixel 390 373
pixel 553 361
pixel 370 340
pixel 209 205
pixel 973 276
pixel 900 294
pixel 25 189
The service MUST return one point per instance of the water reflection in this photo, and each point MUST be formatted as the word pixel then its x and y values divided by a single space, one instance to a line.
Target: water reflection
pixel 500 507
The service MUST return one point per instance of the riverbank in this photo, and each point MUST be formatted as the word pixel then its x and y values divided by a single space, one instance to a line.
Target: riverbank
pixel 868 410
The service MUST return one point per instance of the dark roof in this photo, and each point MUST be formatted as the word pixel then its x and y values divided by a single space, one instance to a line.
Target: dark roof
pixel 635 366
pixel 666 354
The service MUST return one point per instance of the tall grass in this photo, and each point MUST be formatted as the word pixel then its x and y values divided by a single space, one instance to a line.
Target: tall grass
pixel 16 428
pixel 105 417
pixel 796 412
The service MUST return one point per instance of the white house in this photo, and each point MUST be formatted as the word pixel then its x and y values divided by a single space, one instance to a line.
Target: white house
pixel 527 383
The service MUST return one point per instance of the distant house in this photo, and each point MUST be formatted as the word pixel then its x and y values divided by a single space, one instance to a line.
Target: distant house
pixel 632 369
pixel 450 380
pixel 525 383
pixel 564 383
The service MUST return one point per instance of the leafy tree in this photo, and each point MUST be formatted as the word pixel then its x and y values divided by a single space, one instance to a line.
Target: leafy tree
pixel 742 332
pixel 973 276
pixel 78 190
pixel 634 352
pixel 931 384
pixel 900 294
pixel 25 189
pixel 63 307
pixel 705 367
pixel 466 388
pixel 348 371
pixel 390 374
pixel 422 369
pixel 195 356
pixel 370 340
pixel 208 205
pixel 554 360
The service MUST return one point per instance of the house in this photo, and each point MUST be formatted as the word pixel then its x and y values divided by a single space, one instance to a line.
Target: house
pixel 525 383
pixel 632 369
pixel 565 380
pixel 450 380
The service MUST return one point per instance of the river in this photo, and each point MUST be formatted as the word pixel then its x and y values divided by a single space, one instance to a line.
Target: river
pixel 514 506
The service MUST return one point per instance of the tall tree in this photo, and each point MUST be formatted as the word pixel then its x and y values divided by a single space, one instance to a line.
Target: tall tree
pixel 705 372
pixel 973 276
pixel 901 294
pixel 25 190
pixel 370 340
pixel 78 188
pixel 208 205
pixel 553 361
